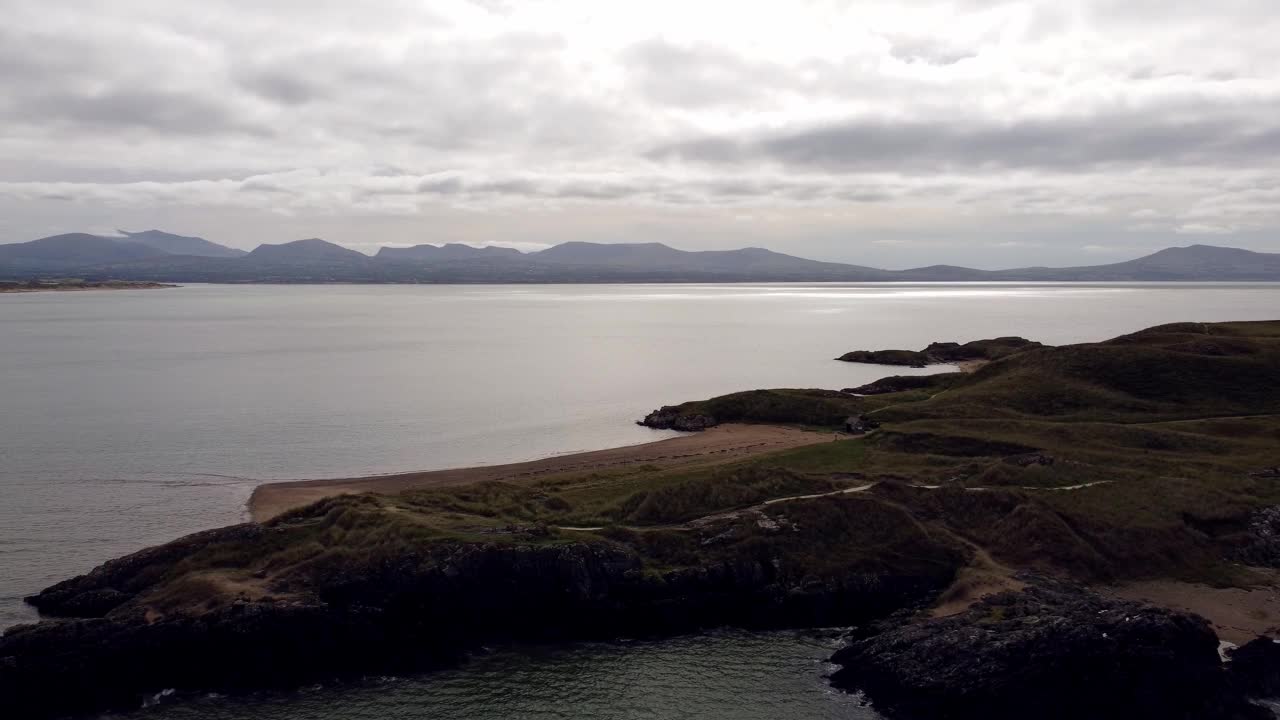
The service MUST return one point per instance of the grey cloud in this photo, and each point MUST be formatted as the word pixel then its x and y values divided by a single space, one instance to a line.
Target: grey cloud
pixel 1063 144
pixel 119 108
pixel 933 51
pixel 279 85
pixel 443 186
pixel 695 76
pixel 342 113
pixel 263 186
pixel 656 189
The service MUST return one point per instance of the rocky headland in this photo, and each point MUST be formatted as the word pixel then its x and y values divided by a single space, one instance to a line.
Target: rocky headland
pixel 939 353
pixel 972 519
pixel 341 589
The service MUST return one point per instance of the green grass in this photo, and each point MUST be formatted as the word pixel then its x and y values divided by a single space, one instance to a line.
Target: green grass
pixel 1171 421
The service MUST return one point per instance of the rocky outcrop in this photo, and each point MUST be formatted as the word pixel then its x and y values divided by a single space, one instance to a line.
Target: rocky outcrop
pixel 1255 667
pixel 403 610
pixel 115 582
pixel 860 425
pixel 1050 651
pixel 1030 459
pixel 670 417
pixel 1259 544
pixel 944 352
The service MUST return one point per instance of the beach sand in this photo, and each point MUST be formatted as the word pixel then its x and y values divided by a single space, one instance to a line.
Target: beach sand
pixel 1237 615
pixel 720 444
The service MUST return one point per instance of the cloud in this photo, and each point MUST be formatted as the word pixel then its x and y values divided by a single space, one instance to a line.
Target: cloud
pixel 1194 135
pixel 928 50
pixel 1204 229
pixel 1003 127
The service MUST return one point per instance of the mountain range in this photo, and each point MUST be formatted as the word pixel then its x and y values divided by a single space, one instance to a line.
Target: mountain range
pixel 161 256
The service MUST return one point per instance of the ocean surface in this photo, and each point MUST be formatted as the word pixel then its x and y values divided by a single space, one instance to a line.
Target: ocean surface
pixel 128 418
pixel 723 675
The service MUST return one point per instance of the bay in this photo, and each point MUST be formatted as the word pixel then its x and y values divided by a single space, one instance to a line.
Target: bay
pixel 128 418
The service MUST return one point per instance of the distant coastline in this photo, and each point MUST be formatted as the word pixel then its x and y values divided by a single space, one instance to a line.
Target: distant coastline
pixel 32 286
pixel 163 257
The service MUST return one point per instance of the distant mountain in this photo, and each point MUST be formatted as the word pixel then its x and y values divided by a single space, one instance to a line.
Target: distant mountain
pixel 73 250
pixel 136 257
pixel 304 251
pixel 1196 262
pixel 181 244
pixel 660 257
pixel 944 273
pixel 450 251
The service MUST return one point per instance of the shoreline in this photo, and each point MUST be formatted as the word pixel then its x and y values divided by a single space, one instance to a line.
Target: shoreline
pixel 1238 615
pixel 717 445
pixel 15 288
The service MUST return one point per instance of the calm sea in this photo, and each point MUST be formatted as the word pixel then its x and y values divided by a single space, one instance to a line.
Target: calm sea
pixel 128 418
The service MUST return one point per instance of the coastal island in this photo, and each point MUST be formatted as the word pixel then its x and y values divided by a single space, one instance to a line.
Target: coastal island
pixel 1024 540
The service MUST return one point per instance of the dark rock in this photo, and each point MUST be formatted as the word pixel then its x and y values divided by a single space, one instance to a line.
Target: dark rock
pixel 1029 459
pixel 860 425
pixel 1260 543
pixel 670 417
pixel 411 611
pixel 944 352
pixel 886 357
pixel 1267 474
pixel 1255 667
pixel 1052 651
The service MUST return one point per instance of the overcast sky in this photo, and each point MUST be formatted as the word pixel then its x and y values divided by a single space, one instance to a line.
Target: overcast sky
pixel 978 132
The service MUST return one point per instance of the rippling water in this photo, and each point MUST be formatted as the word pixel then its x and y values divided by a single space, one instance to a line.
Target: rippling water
pixel 719 676
pixel 129 418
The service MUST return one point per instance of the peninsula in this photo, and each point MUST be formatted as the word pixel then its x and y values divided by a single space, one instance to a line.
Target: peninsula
pixel 1024 540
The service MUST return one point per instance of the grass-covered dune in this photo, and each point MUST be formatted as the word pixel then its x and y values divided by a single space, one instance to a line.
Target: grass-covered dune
pixel 1147 456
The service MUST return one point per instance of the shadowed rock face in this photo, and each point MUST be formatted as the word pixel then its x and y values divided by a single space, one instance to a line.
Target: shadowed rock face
pixel 669 417
pixel 1050 651
pixel 395 612
pixel 1255 667
pixel 943 352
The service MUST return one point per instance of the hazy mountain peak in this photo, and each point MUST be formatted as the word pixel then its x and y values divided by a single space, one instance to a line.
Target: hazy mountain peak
pixel 448 251
pixel 72 249
pixel 309 249
pixel 179 244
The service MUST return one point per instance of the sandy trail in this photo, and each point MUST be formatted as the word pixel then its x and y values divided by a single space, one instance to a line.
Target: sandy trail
pixel 720 444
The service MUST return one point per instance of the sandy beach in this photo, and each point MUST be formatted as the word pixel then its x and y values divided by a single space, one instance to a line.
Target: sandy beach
pixel 720 444
pixel 1238 615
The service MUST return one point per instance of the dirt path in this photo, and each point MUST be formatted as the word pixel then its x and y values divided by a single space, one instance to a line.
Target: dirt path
pixel 731 514
pixel 726 515
pixel 721 444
